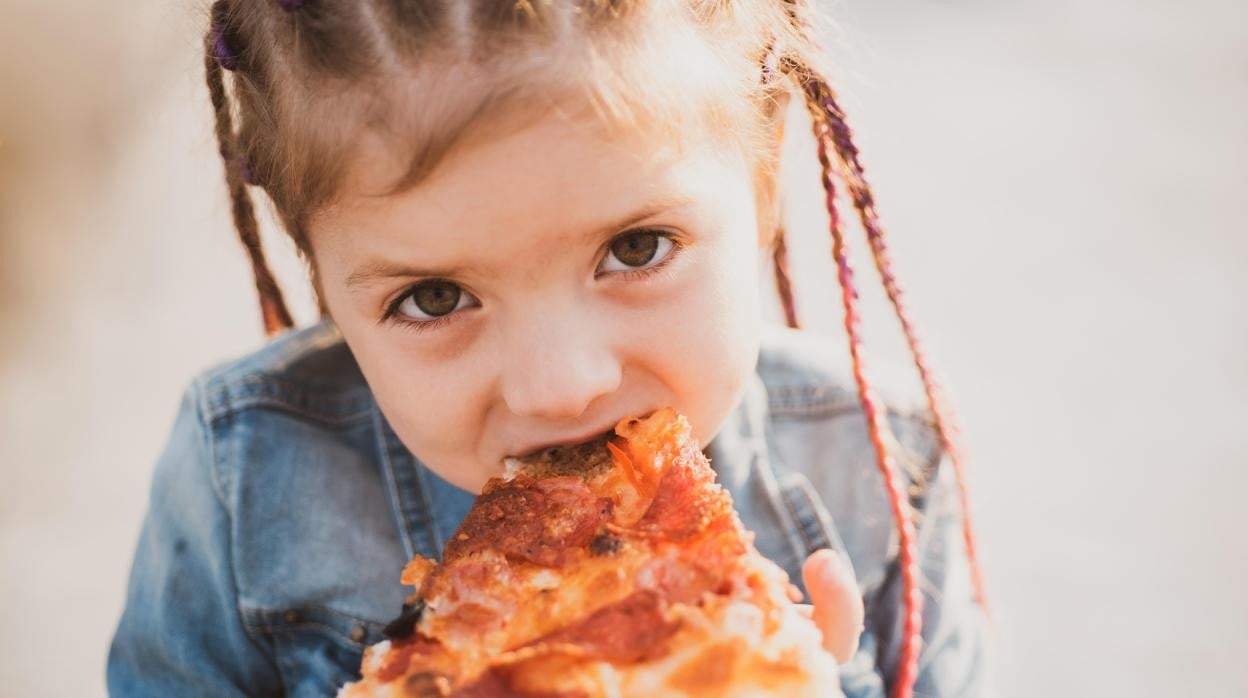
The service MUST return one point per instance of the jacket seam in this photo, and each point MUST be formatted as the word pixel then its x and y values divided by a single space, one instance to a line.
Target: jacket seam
pixel 334 634
pixel 255 615
pixel 797 518
pixel 392 485
pixel 840 411
pixel 771 485
pixel 233 405
pixel 831 401
pixel 794 399
pixel 423 485
pixel 214 478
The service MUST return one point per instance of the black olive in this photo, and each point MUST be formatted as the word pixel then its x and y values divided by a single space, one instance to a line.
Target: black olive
pixel 405 624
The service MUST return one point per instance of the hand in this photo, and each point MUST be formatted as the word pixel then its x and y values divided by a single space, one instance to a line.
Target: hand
pixel 836 604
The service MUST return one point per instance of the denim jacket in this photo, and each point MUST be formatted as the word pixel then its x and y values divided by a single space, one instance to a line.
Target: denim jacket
pixel 283 509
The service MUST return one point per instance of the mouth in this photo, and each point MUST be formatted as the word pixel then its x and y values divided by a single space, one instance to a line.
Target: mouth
pixel 562 458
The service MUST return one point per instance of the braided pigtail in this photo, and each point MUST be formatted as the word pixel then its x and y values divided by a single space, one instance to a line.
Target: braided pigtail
pixel 819 103
pixel 881 436
pixel 946 427
pixel 833 136
pixel 220 54
pixel 784 282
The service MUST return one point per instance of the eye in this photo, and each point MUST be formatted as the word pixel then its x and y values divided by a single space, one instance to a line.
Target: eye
pixel 636 250
pixel 429 300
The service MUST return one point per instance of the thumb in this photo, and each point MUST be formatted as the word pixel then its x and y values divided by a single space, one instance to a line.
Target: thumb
pixel 837 602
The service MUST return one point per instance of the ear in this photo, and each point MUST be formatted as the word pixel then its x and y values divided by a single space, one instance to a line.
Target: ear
pixel 767 175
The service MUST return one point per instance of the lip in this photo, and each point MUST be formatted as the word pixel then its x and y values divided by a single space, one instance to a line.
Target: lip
pixel 529 451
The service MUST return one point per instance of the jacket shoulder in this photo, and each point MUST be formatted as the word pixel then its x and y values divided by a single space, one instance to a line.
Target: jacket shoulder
pixel 297 450
pixel 811 375
pixel 822 450
pixel 274 455
pixel 309 372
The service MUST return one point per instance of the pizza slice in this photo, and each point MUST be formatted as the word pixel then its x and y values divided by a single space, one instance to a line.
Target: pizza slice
pixel 613 568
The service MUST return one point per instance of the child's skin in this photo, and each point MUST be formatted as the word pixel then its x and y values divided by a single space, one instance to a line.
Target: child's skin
pixel 546 308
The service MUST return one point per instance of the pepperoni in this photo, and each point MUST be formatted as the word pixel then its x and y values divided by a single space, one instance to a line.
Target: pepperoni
pixel 540 521
pixel 687 501
pixel 469 578
pixel 646 445
pixel 684 573
pixel 628 630
pixel 399 658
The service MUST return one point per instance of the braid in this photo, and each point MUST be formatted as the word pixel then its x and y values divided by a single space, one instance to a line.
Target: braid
pixel 946 428
pixel 831 131
pixel 784 282
pixel 819 103
pixel 903 514
pixel 272 305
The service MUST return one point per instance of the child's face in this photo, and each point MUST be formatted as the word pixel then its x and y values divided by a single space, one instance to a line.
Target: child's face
pixel 542 284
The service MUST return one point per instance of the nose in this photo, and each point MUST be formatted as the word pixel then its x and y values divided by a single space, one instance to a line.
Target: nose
pixel 557 366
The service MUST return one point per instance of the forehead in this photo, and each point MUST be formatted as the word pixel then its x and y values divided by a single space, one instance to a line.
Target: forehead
pixel 555 121
pixel 563 154
pixel 553 170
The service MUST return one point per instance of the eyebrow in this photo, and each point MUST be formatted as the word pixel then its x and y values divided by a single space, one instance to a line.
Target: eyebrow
pixel 374 271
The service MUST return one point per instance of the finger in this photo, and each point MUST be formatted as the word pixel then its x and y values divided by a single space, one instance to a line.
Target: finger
pixel 837 602
pixel 795 594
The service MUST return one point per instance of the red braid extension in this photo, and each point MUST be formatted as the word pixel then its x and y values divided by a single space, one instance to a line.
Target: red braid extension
pixel 908 661
pixel 831 129
pixel 946 428
pixel 784 283
pixel 818 101
pixel 218 56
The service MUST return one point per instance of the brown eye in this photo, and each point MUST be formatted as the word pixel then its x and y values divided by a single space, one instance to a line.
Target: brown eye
pixel 637 250
pixel 432 299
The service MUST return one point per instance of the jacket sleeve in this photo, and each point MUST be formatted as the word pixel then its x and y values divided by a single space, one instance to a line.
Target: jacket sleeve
pixel 953 660
pixel 181 632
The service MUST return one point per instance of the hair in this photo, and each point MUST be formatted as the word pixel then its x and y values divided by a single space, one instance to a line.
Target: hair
pixel 313 78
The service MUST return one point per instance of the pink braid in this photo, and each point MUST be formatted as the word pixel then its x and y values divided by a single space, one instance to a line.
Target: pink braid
pixel 911 640
pixel 946 427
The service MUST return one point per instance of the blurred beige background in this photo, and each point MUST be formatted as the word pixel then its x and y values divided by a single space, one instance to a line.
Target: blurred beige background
pixel 1063 182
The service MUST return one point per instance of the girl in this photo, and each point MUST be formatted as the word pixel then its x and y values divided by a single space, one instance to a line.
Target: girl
pixel 524 221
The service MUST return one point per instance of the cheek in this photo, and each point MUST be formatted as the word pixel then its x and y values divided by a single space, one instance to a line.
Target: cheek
pixel 730 293
pixel 435 412
pixel 707 345
pixel 402 374
pixel 432 406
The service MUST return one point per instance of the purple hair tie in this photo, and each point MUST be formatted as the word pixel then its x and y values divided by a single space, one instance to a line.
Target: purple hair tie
pixel 221 49
pixel 244 168
pixel 290 5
